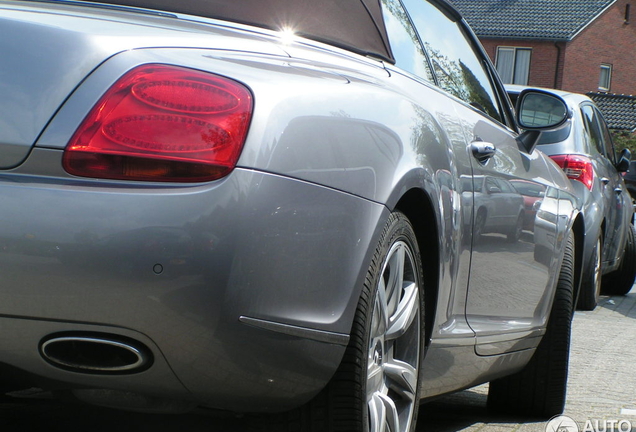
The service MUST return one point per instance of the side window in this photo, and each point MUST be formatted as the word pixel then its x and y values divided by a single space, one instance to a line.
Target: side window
pixel 479 185
pixel 492 186
pixel 506 187
pixel 459 68
pixel 592 127
pixel 405 44
pixel 467 184
pixel 607 137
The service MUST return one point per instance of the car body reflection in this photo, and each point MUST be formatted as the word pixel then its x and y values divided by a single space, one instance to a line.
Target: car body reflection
pixel 532 194
pixel 498 207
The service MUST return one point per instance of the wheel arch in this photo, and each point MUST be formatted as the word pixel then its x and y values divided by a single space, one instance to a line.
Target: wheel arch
pixel 418 207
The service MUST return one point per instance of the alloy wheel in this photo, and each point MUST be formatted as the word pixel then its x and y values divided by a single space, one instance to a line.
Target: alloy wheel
pixel 394 344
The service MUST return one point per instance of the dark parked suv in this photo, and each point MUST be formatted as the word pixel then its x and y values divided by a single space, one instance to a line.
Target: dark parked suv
pixel 583 147
pixel 630 180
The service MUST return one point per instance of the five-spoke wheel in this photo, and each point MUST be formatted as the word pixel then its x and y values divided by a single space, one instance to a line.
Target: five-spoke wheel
pixel 394 343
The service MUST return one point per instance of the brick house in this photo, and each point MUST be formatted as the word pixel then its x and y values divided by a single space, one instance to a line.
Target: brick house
pixel 580 46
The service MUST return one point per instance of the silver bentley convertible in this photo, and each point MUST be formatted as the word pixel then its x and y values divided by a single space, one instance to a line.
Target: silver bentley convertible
pixel 304 209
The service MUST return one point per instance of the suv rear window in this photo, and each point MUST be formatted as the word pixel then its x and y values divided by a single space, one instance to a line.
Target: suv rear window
pixel 556 136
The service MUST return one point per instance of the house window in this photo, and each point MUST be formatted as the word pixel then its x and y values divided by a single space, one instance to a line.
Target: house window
pixel 513 64
pixel 606 77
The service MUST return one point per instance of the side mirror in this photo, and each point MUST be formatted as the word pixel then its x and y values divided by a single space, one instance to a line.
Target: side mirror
pixel 623 162
pixel 537 111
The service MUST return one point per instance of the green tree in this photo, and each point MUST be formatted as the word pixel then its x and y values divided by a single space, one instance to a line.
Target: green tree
pixel 624 139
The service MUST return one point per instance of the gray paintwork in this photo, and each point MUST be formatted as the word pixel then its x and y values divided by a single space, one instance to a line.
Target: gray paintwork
pixel 260 272
pixel 46 78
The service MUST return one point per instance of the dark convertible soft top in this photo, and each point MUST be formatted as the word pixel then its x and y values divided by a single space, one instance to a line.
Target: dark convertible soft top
pixel 355 25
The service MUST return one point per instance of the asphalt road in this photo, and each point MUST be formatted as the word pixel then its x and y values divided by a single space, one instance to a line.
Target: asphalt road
pixel 602 391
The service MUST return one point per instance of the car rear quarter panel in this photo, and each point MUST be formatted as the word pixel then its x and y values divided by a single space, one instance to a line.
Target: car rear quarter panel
pixel 339 126
pixel 287 237
pixel 180 266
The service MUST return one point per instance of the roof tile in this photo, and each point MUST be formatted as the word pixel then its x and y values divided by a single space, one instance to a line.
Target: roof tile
pixel 619 110
pixel 530 19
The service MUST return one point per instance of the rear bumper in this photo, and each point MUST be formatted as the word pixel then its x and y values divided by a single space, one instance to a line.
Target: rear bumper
pixel 176 268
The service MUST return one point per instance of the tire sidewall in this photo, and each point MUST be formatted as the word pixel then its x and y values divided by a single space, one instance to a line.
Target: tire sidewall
pixel 397 228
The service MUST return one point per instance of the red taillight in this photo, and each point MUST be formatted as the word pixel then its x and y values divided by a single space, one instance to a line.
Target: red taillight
pixel 576 167
pixel 163 123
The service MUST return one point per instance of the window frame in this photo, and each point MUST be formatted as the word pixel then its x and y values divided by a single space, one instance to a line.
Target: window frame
pixel 429 75
pixel 593 128
pixel 514 50
pixel 505 107
pixel 610 150
pixel 501 101
pixel 605 67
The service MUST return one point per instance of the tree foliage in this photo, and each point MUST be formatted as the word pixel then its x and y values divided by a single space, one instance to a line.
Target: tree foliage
pixel 624 139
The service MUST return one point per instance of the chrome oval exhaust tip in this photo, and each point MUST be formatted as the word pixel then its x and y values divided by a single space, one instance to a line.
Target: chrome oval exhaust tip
pixel 97 354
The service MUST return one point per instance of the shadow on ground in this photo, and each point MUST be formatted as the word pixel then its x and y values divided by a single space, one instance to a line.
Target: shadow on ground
pixel 460 411
pixel 625 305
pixel 448 414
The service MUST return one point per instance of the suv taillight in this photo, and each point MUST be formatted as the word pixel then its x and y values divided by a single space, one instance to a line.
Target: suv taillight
pixel 163 123
pixel 576 167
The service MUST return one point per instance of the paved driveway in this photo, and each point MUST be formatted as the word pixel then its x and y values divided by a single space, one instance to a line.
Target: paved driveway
pixel 602 391
pixel 602 383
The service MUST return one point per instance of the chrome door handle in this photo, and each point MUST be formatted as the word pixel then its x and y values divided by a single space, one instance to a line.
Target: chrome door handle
pixel 482 150
pixel 605 180
pixel 618 190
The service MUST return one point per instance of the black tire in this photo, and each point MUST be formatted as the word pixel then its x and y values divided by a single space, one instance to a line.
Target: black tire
pixel 591 283
pixel 620 281
pixel 343 406
pixel 539 389
pixel 514 234
pixel 480 224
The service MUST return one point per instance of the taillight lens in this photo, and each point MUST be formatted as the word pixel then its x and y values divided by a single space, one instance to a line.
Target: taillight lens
pixel 576 167
pixel 163 123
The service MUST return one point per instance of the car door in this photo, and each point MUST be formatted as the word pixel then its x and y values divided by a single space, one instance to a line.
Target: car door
pixel 439 147
pixel 615 196
pixel 498 298
pixel 508 206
